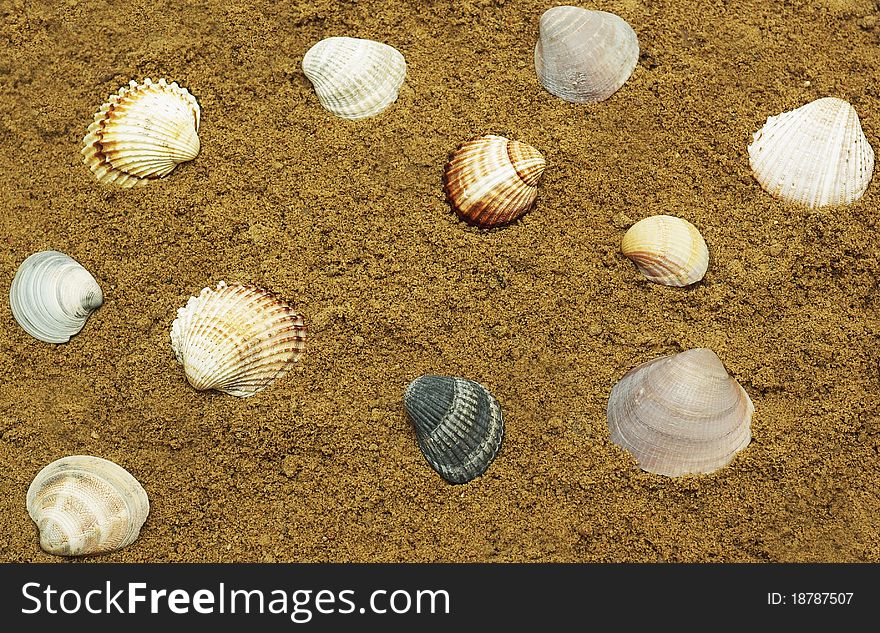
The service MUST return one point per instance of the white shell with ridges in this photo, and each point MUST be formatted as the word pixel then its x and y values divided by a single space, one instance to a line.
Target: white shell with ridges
pixel 86 505
pixel 816 155
pixel 142 133
pixel 680 414
pixel 52 296
pixel 354 78
pixel 459 425
pixel 236 339
pixel 667 250
pixel 584 56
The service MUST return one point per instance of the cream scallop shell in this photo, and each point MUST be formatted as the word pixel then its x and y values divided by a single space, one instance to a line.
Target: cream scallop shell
pixel 236 339
pixel 52 296
pixel 680 414
pixel 354 78
pixel 667 250
pixel 816 155
pixel 491 180
pixel 584 56
pixel 86 505
pixel 142 133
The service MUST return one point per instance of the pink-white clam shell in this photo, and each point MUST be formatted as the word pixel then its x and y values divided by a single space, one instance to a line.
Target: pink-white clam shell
pixel 584 56
pixel 680 414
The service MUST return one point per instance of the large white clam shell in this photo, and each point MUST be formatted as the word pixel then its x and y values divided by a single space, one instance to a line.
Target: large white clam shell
pixel 667 250
pixel 680 414
pixel 142 133
pixel 584 56
pixel 816 155
pixel 236 339
pixel 52 296
pixel 354 78
pixel 86 505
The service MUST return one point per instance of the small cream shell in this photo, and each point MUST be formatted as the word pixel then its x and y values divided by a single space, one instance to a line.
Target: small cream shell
pixel 584 56
pixel 142 133
pixel 667 250
pixel 52 296
pixel 680 414
pixel 816 155
pixel 354 78
pixel 236 339
pixel 86 505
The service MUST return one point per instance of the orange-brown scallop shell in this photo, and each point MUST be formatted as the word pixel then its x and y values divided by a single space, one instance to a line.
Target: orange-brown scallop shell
pixel 491 180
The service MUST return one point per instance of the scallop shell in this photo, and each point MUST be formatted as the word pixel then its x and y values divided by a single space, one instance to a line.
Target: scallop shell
pixel 584 56
pixel 86 505
pixel 52 296
pixel 236 339
pixel 816 155
pixel 142 133
pixel 680 414
pixel 458 424
pixel 667 250
pixel 491 180
pixel 354 78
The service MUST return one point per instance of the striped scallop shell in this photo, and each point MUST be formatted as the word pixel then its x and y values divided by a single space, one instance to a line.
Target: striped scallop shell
pixel 354 78
pixel 680 414
pixel 142 133
pixel 236 339
pixel 491 180
pixel 816 155
pixel 584 56
pixel 86 505
pixel 667 250
pixel 458 424
pixel 52 296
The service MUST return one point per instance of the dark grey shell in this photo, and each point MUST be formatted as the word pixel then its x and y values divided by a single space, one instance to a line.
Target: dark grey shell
pixel 458 424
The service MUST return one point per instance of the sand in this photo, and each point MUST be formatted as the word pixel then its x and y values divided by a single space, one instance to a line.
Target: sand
pixel 347 221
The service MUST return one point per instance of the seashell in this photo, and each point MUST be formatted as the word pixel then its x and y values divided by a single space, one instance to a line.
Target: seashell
pixel 816 155
pixel 52 296
pixel 667 250
pixel 236 339
pixel 680 414
pixel 142 133
pixel 584 56
pixel 354 78
pixel 458 424
pixel 490 180
pixel 86 505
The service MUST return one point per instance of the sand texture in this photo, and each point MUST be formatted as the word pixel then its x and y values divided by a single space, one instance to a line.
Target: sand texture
pixel 347 220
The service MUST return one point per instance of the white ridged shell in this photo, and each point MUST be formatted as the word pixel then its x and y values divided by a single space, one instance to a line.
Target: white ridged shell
pixel 236 339
pixel 458 422
pixel 584 56
pixel 86 505
pixel 667 250
pixel 816 155
pixel 52 296
pixel 680 414
pixel 142 133
pixel 354 78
